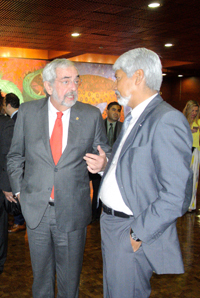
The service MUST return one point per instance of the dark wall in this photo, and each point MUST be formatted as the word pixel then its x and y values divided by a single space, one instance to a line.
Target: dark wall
pixel 177 91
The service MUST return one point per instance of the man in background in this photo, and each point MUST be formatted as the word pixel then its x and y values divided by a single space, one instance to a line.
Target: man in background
pixel 48 172
pixel 11 106
pixel 6 133
pixel 147 183
pixel 112 123
pixel 113 127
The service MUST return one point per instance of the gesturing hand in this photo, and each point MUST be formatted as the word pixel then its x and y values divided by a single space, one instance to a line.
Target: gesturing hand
pixel 96 163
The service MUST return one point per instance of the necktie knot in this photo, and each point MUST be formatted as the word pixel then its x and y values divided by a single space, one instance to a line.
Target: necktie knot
pixel 59 115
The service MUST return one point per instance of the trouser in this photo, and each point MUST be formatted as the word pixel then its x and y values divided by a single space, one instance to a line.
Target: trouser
pixel 53 251
pixel 3 236
pixel 125 273
pixel 19 219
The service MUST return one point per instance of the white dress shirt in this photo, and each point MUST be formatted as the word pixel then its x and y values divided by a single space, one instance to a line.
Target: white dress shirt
pixel 110 194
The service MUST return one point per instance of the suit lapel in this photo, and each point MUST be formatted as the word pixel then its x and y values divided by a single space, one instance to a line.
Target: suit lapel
pixel 43 121
pixel 75 124
pixel 138 125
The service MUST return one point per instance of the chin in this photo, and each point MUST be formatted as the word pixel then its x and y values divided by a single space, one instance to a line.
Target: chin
pixel 123 101
pixel 69 104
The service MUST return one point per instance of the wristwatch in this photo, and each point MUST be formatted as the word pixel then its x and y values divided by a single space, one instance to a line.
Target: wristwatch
pixel 133 236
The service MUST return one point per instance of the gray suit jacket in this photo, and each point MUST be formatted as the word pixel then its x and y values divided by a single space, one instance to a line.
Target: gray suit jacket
pixel 155 181
pixel 31 147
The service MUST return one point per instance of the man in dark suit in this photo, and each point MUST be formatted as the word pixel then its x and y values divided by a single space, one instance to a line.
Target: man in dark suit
pixel 147 183
pixel 6 132
pixel 113 126
pixel 46 167
pixel 11 106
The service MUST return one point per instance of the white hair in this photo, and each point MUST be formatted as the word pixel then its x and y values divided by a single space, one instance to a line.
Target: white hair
pixel 49 71
pixel 142 58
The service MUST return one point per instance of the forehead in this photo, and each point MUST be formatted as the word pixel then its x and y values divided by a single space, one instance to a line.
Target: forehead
pixel 115 107
pixel 66 72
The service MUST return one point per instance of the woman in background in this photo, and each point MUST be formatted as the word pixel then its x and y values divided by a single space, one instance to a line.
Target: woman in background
pixel 191 112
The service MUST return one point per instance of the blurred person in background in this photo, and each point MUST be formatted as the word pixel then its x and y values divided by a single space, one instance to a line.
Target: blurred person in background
pixel 11 107
pixel 191 112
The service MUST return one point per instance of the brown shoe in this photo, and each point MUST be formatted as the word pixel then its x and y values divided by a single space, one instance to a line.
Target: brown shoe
pixel 17 228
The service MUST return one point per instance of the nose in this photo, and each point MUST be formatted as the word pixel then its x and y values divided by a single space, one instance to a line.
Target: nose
pixel 115 85
pixel 73 86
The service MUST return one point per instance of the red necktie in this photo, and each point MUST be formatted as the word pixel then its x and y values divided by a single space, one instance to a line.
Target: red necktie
pixel 56 142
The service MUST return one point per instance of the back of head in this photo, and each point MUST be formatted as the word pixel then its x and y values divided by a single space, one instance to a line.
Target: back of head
pixel 1 101
pixel 142 58
pixel 13 100
pixel 49 71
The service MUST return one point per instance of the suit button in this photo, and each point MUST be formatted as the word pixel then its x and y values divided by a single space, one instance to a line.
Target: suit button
pixel 56 170
pixel 50 189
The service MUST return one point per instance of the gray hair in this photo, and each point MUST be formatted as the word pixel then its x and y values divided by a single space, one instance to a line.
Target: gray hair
pixel 49 72
pixel 142 58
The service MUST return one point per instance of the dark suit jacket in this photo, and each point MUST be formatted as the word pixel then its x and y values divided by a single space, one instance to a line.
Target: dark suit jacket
pixel 70 177
pixel 6 133
pixel 155 180
pixel 14 118
pixel 117 130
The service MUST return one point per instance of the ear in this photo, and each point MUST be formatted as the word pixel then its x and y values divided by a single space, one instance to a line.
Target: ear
pixel 139 76
pixel 48 87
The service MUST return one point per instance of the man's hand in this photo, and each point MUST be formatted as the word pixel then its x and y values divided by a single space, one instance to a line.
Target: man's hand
pixel 96 163
pixel 135 244
pixel 9 196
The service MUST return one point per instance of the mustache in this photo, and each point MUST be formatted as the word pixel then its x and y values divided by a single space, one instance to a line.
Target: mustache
pixel 117 93
pixel 71 93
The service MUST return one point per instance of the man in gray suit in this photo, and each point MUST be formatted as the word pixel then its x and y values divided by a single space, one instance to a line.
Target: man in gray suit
pixel 55 195
pixel 147 184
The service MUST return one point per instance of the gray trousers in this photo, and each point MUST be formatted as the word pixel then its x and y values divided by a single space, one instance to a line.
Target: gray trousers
pixel 125 273
pixel 55 252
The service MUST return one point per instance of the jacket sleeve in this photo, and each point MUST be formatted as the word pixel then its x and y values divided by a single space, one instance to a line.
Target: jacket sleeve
pixel 6 138
pixel 15 157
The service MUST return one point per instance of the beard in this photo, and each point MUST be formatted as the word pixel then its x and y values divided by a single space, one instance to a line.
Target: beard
pixel 68 94
pixel 123 101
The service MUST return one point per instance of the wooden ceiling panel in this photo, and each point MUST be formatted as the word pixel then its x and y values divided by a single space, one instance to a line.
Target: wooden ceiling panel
pixel 107 27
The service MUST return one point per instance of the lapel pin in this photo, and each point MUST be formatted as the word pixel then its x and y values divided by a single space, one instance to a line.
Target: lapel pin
pixel 77 118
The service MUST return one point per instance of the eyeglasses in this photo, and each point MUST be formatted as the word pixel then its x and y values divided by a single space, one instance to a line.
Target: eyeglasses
pixel 67 82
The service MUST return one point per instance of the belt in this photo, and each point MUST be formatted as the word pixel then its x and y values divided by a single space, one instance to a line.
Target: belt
pixel 110 211
pixel 51 203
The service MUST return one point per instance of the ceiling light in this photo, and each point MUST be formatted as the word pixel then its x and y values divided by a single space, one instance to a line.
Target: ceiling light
pixel 154 5
pixel 180 76
pixel 164 74
pixel 75 34
pixel 168 45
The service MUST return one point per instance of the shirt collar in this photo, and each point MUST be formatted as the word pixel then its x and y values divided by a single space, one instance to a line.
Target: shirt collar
pixel 13 114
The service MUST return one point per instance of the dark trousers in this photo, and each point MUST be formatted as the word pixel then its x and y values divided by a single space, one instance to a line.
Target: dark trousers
pixel 19 219
pixel 96 180
pixel 55 252
pixel 3 236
